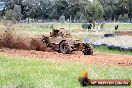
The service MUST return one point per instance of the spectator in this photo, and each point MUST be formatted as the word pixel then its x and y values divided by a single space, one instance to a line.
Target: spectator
pixel 116 28
pixel 102 26
pixel 98 27
pixel 94 23
pixel 89 26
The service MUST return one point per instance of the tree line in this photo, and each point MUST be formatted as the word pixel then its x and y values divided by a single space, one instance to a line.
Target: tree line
pixel 109 10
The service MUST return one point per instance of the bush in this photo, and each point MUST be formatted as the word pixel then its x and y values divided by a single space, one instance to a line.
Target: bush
pixel 62 19
pixel 17 10
pixel 123 18
pixel 14 15
pixel 10 15
pixel 84 26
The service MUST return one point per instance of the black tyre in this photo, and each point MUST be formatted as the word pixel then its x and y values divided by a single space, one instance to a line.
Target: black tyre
pixel 108 35
pixel 84 81
pixel 64 47
pixel 88 49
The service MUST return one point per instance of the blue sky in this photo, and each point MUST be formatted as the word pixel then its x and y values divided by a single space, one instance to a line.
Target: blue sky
pixel 1 6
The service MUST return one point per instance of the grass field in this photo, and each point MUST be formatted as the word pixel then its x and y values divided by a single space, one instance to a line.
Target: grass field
pixel 122 26
pixel 41 27
pixel 18 72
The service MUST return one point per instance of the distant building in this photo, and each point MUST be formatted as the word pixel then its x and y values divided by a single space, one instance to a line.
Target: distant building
pixel 2 5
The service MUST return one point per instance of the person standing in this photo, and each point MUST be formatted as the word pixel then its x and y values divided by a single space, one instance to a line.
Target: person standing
pixel 116 28
pixel 89 26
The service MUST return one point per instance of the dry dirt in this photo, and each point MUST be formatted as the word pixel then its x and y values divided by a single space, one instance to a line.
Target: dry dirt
pixel 97 58
pixel 125 33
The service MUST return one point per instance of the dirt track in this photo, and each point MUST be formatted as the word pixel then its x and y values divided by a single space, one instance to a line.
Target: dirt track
pixel 97 58
pixel 125 33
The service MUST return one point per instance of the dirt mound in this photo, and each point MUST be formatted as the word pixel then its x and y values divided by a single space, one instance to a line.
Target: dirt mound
pixel 1 44
pixel 1 41
pixel 36 44
pixel 125 33
pixel 12 39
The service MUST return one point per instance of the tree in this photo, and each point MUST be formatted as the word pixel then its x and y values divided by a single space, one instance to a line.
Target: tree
pixel 130 9
pixel 17 12
pixel 73 9
pixel 60 8
pixel 114 8
pixel 10 15
pixel 110 8
pixel 45 9
pixel 108 12
pixel 62 19
pixel 9 4
pixel 79 16
pixel 123 17
pixel 122 8
pixel 94 11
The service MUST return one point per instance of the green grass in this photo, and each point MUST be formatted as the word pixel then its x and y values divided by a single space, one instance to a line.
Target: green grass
pixel 122 26
pixel 70 26
pixel 18 72
pixel 38 30
pixel 46 27
pixel 34 27
pixel 42 26
pixel 115 51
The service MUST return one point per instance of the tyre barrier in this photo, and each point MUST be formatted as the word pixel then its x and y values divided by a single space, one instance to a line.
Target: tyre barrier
pixel 114 47
pixel 126 48
pixel 111 47
pixel 109 35
pixel 130 48
pixel 96 44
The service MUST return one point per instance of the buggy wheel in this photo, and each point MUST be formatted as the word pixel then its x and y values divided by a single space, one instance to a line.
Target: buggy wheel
pixel 88 50
pixel 84 81
pixel 64 47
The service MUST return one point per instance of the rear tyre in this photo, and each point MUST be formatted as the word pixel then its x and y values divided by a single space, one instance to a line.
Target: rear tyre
pixel 84 82
pixel 64 47
pixel 88 49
